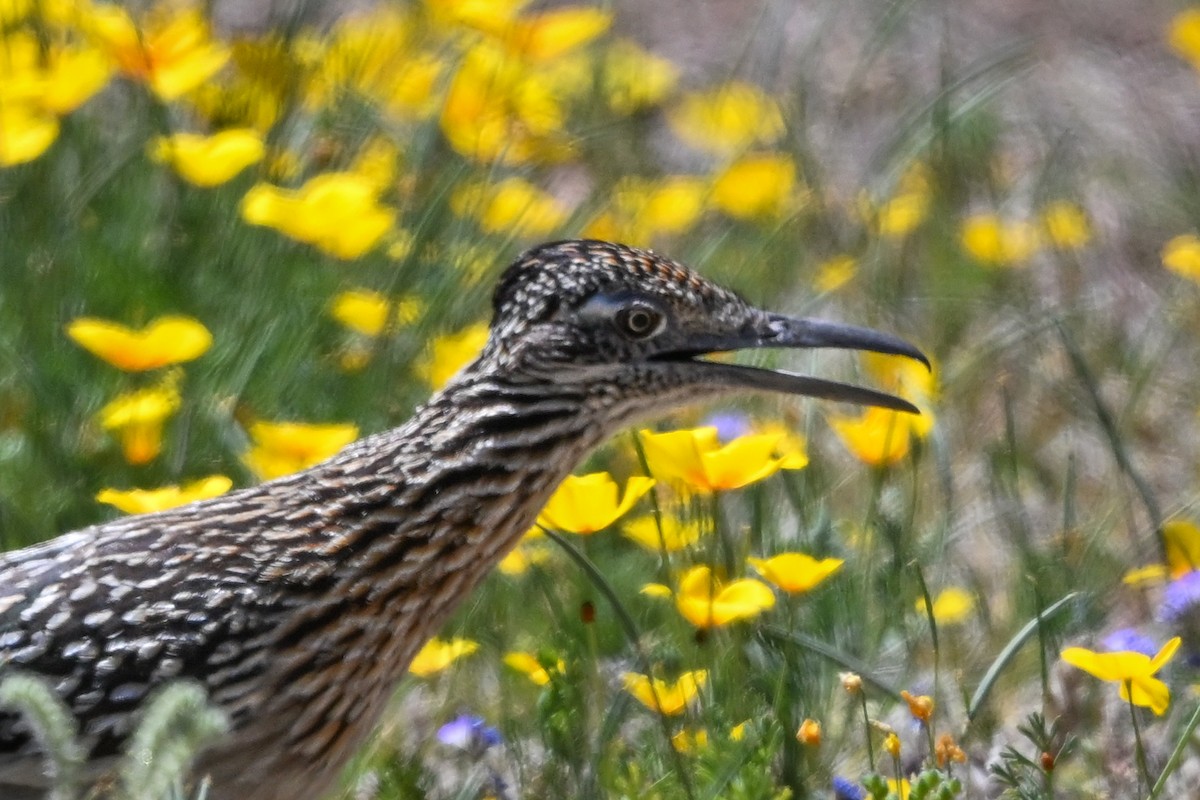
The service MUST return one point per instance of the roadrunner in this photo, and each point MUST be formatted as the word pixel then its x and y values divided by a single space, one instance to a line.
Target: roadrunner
pixel 298 604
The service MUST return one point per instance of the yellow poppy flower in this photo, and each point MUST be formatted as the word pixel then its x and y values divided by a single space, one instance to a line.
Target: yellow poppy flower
pixel 437 654
pixel 499 109
pixel 370 313
pixel 878 437
pixel 756 186
pixel 584 504
pixel 371 54
pixel 705 601
pixel 907 208
pixel 164 341
pixel 529 666
pixel 513 206
pixel 999 242
pixel 605 225
pixel 1066 226
pixel 727 119
pixel 554 33
pixel 522 558
pixel 281 448
pixel 137 419
pixel 39 82
pixel 254 99
pixel 73 76
pixel 1181 539
pixel 54 76
pixel 1181 255
pixel 835 273
pixel 676 533
pixel 1133 672
pixel 478 117
pixel 881 437
pixel 690 740
pixel 449 353
pixel 528 553
pixel 377 161
pixel 172 52
pixel 209 160
pixel 400 246
pixel 337 212
pixel 792 448
pixel 656 694
pixel 670 204
pixel 900 215
pixel 633 79
pixel 695 459
pixel 1183 34
pixel 1149 574
pixel 415 87
pixel 796 572
pixel 145 501
pixel 14 11
pixel 909 379
pixel 26 131
pixel 643 209
pixel 953 605
pixel 491 16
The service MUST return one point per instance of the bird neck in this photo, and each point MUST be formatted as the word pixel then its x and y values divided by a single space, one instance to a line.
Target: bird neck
pixel 438 501
pixel 399 528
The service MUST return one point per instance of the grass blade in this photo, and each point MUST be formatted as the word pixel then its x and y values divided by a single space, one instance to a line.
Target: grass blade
pixel 831 653
pixel 1176 755
pixel 1010 650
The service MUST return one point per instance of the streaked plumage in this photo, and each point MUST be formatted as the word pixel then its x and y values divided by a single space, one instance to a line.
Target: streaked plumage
pixel 299 603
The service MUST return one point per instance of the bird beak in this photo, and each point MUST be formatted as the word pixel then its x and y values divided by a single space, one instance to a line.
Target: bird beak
pixel 778 331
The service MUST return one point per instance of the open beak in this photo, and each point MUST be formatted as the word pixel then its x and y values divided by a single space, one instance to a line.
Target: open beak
pixel 779 331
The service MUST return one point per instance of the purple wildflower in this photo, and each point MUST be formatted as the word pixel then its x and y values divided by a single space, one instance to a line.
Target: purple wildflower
pixel 1129 640
pixel 469 733
pixel 846 789
pixel 729 424
pixel 1181 596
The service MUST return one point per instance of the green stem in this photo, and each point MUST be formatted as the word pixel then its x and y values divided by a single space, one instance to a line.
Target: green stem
pixel 1143 769
pixel 933 628
pixel 1176 755
pixel 1116 441
pixel 627 624
pixel 867 729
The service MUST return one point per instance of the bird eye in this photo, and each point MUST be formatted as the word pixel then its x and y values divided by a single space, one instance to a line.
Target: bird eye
pixel 639 321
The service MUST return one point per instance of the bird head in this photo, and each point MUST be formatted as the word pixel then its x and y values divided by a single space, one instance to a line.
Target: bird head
pixel 630 329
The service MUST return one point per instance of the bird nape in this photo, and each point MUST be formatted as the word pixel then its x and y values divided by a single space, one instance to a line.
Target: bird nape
pixel 298 604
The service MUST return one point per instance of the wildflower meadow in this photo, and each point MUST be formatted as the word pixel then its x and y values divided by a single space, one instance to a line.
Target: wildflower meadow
pixel 235 238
